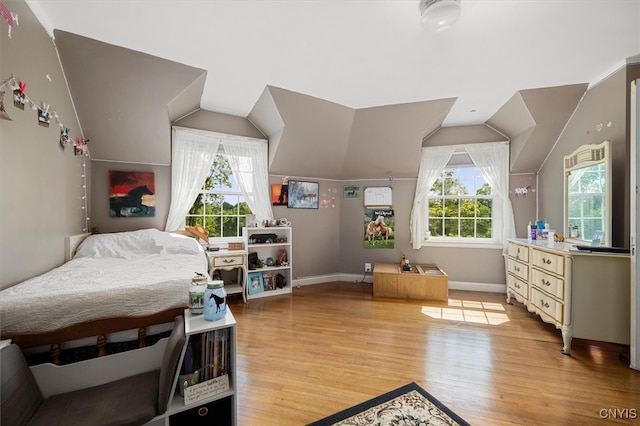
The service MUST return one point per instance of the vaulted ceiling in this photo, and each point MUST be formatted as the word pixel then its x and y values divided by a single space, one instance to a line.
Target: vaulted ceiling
pixel 343 90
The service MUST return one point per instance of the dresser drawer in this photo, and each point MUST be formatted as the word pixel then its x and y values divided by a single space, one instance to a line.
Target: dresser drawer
pixel 547 304
pixel 222 261
pixel 548 283
pixel 518 286
pixel 548 261
pixel 518 252
pixel 518 269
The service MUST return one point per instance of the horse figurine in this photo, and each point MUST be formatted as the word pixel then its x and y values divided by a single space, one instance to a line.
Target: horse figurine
pixel 133 201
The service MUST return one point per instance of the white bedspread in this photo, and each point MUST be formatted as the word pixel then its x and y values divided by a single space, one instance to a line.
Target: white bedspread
pixel 122 274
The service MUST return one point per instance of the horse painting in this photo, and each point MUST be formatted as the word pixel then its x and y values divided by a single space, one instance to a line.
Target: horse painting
pixel 131 204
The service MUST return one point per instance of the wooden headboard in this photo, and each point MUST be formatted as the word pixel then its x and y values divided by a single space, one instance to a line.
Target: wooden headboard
pixel 71 243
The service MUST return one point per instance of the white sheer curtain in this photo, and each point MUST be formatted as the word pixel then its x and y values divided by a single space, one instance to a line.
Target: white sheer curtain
pixel 493 161
pixel 433 161
pixel 192 157
pixel 249 166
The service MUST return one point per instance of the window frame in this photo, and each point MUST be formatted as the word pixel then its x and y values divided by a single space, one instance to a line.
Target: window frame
pixel 496 210
pixel 201 219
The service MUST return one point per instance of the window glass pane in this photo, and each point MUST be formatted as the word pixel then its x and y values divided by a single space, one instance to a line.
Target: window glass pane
pixel 220 207
pixel 451 227
pixel 230 226
pixel 460 205
pixel 436 227
pixel 483 228
pixel 451 207
pixel 467 228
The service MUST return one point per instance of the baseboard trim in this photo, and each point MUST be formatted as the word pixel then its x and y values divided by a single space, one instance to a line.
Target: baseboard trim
pixel 368 278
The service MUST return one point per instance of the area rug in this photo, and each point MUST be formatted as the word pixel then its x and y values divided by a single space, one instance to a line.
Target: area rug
pixel 408 405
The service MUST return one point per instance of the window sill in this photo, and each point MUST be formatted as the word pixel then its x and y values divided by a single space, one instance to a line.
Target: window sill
pixel 462 244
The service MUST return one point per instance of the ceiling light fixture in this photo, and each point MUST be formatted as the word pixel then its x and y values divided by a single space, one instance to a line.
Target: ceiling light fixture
pixel 439 14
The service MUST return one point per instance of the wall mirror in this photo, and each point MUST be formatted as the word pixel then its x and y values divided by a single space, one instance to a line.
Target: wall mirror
pixel 587 195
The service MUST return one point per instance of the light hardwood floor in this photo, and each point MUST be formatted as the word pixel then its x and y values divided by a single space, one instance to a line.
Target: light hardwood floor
pixel 330 346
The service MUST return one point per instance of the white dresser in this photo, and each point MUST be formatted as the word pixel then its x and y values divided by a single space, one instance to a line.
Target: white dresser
pixel 586 295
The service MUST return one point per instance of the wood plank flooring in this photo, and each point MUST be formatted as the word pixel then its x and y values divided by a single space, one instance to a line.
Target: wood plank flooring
pixel 330 346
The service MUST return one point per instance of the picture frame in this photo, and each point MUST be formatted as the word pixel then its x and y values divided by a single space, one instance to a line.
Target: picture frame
pixel 255 283
pixel 268 282
pixel 302 195
pixel 351 192
pixel 132 194
pixel 278 194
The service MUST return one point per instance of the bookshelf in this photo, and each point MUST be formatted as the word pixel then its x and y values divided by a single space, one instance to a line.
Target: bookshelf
pixel 211 350
pixel 271 249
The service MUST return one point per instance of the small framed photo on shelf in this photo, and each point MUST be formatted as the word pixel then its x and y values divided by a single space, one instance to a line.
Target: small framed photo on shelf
pixel 255 283
pixel 267 281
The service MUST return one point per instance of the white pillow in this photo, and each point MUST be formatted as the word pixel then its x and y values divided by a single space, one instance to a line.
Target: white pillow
pixel 125 245
pixel 180 244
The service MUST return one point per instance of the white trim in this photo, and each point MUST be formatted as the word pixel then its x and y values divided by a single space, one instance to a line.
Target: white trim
pixel 218 134
pixel 368 278
pixel 433 242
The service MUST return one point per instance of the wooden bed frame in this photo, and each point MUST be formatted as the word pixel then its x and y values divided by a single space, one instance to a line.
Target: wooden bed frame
pixel 99 327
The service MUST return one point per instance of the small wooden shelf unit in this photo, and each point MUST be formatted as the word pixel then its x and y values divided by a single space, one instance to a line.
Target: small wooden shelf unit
pixel 424 282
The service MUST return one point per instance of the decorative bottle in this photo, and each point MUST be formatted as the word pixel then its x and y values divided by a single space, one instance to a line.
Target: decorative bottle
pixel 403 261
pixel 196 293
pixel 215 303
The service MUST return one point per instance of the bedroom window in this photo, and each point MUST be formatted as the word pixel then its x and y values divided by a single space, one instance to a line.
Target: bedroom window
pixel 216 179
pixel 220 206
pixel 462 196
pixel 460 205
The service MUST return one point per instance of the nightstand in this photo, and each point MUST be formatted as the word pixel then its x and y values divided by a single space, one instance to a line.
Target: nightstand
pixel 228 260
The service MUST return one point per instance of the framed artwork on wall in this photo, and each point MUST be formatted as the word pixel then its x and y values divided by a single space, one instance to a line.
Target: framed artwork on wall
pixel 351 192
pixel 378 228
pixel 255 283
pixel 302 195
pixel 278 194
pixel 132 194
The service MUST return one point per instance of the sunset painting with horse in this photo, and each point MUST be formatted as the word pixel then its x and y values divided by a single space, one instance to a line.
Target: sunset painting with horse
pixel 132 194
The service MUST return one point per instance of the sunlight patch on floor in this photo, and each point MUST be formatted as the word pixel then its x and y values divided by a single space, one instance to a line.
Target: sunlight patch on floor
pixel 468 311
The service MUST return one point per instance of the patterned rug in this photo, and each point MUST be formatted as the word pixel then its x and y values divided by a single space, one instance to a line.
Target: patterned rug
pixel 408 405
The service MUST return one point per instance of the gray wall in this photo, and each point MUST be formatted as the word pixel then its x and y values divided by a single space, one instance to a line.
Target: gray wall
pixel 100 217
pixel 603 104
pixel 461 264
pixel 41 188
pixel 41 184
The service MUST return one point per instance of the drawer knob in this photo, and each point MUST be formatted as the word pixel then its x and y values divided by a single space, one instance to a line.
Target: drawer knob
pixel 228 260
pixel 543 303
pixel 547 283
pixel 516 285
pixel 515 268
pixel 547 261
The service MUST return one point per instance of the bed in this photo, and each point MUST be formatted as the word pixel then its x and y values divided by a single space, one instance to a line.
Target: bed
pixel 113 282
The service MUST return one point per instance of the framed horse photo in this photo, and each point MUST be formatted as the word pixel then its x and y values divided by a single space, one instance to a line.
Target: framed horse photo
pixel 302 195
pixel 132 194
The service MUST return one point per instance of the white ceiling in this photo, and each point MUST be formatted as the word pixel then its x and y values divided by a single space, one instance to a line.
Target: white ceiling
pixel 363 54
